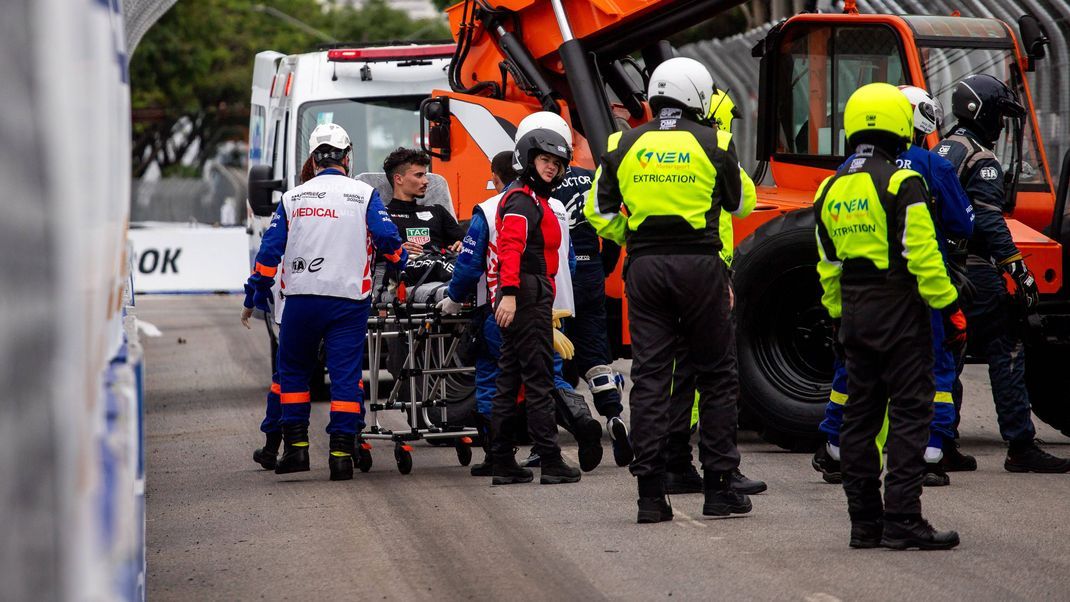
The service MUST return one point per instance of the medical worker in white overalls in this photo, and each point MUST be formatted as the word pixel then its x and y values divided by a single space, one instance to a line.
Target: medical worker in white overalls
pixel 329 230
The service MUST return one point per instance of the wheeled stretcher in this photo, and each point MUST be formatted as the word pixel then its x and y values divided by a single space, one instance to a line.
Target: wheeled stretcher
pixel 432 342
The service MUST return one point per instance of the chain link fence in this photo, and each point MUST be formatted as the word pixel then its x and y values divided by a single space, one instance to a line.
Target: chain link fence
pixel 733 68
pixel 140 15
pixel 217 198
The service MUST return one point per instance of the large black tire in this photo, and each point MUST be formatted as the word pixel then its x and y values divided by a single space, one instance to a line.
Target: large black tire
pixel 784 335
pixel 460 400
pixel 460 403
pixel 1048 382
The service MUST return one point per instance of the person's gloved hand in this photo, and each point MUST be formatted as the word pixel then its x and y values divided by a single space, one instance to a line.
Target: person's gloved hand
pixel 449 306
pixel 954 328
pixel 563 346
pixel 1025 285
pixel 560 314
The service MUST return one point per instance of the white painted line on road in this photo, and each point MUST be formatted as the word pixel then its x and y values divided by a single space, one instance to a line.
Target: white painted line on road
pixel 821 597
pixel 697 523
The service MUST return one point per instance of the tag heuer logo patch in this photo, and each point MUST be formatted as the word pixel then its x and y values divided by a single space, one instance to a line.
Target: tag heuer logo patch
pixel 989 173
pixel 420 236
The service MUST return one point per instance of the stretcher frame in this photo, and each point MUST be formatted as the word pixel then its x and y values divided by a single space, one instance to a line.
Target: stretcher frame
pixel 433 342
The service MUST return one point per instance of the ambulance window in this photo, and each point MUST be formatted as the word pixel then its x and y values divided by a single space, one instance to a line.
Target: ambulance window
pixel 819 68
pixel 376 126
pixel 257 122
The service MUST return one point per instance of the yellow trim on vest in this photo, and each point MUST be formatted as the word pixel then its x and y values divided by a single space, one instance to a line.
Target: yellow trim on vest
pixel 613 142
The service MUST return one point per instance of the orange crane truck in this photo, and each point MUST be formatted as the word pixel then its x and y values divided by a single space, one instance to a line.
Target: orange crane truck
pixel 579 58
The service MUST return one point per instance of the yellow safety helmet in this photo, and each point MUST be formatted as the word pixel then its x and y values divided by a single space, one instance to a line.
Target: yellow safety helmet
pixel 879 107
pixel 723 110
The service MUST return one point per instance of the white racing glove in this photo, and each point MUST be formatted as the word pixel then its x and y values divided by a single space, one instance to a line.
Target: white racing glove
pixel 449 306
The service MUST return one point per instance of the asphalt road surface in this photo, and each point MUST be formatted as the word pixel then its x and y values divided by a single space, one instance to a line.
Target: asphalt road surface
pixel 220 528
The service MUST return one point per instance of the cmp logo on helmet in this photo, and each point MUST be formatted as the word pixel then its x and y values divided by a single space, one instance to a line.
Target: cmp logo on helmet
pixel 848 208
pixel 871 119
pixel 646 157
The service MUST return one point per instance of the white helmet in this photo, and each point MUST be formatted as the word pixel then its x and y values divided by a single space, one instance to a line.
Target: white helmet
pixel 542 120
pixel 928 114
pixel 330 134
pixel 684 80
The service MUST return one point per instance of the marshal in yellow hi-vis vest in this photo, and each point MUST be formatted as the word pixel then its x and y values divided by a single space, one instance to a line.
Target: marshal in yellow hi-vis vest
pixel 873 221
pixel 674 176
pixel 723 112
pixel 879 266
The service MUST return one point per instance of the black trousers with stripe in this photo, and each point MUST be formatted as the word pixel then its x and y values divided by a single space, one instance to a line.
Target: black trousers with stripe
pixel 681 300
pixel 888 342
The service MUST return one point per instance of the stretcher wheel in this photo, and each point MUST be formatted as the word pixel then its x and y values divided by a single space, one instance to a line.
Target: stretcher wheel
pixel 464 451
pixel 464 455
pixel 403 455
pixel 364 457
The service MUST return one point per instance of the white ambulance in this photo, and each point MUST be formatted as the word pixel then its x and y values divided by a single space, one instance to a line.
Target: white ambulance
pixel 373 92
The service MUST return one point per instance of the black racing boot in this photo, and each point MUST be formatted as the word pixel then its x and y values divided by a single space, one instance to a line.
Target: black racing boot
pixel 484 468
pixel 866 533
pixel 912 531
pixel 654 510
pixel 688 480
pixel 341 458
pixel 829 468
pixel 956 461
pixel 572 413
pixel 1028 457
pixel 554 471
pixel 295 451
pixel 506 471
pixel 741 484
pixel 653 505
pixel 268 455
pixel 622 445
pixel 721 499
pixel 935 475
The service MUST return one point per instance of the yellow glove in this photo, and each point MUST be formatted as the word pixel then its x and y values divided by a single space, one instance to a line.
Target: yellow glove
pixel 563 346
pixel 558 315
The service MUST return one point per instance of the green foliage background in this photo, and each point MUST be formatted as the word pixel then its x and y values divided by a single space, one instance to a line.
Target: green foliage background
pixel 191 74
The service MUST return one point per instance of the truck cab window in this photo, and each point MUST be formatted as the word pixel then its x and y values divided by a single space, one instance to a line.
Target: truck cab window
pixel 821 66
